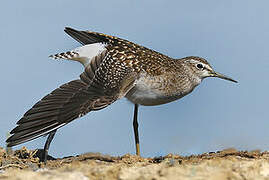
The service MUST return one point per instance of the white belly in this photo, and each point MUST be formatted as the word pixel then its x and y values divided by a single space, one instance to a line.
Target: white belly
pixel 148 98
pixel 149 93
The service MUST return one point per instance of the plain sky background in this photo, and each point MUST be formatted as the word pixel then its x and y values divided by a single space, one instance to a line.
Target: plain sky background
pixel 232 35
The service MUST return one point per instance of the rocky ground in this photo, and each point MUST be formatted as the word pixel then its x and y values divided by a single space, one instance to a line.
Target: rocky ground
pixel 229 164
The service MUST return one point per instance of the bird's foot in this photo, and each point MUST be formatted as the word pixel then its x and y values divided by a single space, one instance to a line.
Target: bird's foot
pixel 41 155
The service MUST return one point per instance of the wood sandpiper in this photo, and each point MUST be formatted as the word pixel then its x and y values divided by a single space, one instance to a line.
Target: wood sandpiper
pixel 114 68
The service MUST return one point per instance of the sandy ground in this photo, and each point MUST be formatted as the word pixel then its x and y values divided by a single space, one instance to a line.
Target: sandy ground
pixel 227 164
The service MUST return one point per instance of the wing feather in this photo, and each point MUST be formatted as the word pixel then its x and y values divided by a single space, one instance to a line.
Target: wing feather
pixel 84 37
pixel 98 87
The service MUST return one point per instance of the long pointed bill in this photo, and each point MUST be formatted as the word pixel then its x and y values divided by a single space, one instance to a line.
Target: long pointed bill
pixel 215 74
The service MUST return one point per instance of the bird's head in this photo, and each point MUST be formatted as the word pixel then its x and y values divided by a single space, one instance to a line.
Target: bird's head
pixel 201 68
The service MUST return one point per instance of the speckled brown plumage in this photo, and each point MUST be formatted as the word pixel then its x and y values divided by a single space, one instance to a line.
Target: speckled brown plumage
pixel 124 57
pixel 119 68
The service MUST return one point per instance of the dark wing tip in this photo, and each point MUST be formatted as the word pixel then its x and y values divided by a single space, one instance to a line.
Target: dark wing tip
pixel 85 37
pixel 69 30
pixel 47 114
pixel 8 143
pixel 66 28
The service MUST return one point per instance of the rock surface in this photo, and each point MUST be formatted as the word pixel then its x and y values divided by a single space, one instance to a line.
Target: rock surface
pixel 227 164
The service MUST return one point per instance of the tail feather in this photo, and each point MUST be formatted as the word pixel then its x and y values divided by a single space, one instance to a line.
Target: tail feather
pixel 71 100
pixel 65 55
pixel 84 54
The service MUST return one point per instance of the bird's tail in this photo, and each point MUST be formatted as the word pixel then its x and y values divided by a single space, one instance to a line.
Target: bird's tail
pixel 65 55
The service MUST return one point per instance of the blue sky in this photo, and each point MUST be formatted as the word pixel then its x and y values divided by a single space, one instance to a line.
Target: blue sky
pixel 232 35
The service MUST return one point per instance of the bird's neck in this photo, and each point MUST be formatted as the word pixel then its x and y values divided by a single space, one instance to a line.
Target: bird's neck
pixel 185 70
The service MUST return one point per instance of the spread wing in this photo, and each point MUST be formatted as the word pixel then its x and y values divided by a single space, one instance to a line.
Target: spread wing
pixel 99 86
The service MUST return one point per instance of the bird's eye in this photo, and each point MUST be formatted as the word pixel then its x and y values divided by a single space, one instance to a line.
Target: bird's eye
pixel 199 66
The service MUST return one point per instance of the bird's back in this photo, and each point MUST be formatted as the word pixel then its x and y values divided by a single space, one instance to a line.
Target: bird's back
pixel 154 78
pixel 121 68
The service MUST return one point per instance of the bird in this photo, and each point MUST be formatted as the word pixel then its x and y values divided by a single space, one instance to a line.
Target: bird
pixel 114 68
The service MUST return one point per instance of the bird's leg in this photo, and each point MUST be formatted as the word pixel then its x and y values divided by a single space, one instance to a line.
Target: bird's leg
pixel 135 126
pixel 47 145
